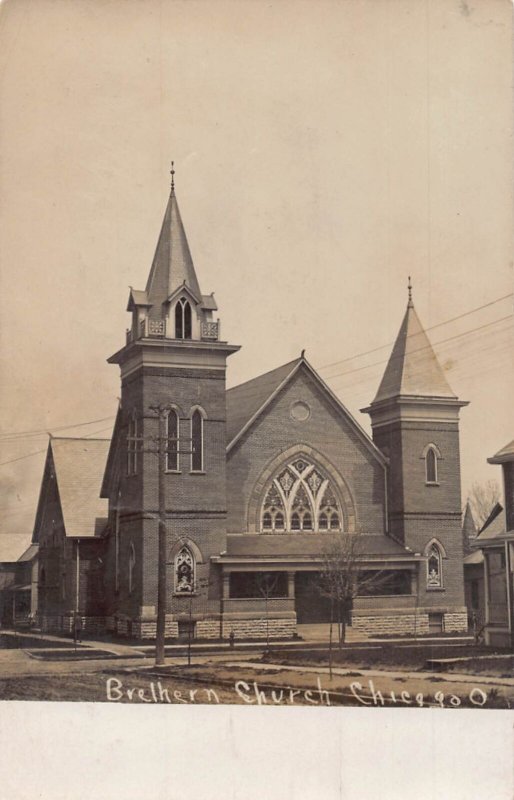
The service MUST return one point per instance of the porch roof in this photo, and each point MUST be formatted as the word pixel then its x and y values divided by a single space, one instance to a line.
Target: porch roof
pixel 308 545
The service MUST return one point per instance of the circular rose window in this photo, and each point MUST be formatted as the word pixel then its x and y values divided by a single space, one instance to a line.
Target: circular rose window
pixel 300 411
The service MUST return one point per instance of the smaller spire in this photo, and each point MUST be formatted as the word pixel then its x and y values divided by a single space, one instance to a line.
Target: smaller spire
pixel 172 173
pixel 410 304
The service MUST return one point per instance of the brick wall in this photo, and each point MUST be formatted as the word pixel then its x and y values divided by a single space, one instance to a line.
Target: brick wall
pixel 326 431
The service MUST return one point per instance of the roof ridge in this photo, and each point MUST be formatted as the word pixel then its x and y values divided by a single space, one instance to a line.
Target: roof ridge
pixel 263 374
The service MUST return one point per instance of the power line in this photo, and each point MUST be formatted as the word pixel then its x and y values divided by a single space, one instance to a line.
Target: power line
pixel 41 431
pixel 425 347
pixel 431 328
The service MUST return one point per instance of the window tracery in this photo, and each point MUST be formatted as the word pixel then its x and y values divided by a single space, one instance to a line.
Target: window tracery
pixel 434 568
pixel 300 498
pixel 184 571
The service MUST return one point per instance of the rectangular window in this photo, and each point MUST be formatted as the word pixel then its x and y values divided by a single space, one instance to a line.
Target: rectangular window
pixel 258 585
pixel 374 583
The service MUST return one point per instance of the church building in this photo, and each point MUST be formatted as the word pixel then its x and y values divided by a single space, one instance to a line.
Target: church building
pixel 256 482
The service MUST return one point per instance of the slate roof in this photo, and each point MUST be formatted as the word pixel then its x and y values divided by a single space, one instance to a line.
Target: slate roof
pixel 495 526
pixel 245 400
pixel 172 264
pixel 474 558
pixel 307 544
pixel 505 454
pixel 79 466
pixel 30 552
pixel 209 303
pixel 413 368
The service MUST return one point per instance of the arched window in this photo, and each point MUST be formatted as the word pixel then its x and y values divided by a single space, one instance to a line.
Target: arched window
pixel 132 445
pixel 172 439
pixel 300 498
pixel 431 465
pixel 131 565
pixel 197 442
pixel 434 568
pixel 184 571
pixel 183 319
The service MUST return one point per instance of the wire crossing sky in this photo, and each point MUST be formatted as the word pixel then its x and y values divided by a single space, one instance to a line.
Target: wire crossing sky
pixel 323 152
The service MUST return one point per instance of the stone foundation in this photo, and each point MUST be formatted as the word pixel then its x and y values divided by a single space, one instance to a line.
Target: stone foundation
pixel 455 622
pixel 415 624
pixel 259 628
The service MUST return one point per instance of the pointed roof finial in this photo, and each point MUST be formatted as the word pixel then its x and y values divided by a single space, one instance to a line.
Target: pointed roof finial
pixel 172 173
pixel 409 287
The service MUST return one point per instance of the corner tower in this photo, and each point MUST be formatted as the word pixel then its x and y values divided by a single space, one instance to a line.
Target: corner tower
pixel 173 358
pixel 415 423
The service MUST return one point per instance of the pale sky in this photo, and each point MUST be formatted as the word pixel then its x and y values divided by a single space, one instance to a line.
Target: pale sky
pixel 324 151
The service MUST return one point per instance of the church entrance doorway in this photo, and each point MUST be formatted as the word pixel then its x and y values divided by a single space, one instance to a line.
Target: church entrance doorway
pixel 310 605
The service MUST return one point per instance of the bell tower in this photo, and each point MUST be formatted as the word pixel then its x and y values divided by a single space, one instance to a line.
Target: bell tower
pixel 173 358
pixel 415 423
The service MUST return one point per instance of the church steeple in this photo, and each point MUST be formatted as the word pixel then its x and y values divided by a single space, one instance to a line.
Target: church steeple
pixel 172 265
pixel 413 369
pixel 415 423
pixel 172 305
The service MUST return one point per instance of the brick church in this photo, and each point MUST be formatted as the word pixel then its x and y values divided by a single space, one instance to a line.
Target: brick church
pixel 257 480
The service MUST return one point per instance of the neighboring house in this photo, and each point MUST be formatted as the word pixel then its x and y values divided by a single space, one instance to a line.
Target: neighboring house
pixel 70 521
pixel 18 589
pixel 496 542
pixel 258 480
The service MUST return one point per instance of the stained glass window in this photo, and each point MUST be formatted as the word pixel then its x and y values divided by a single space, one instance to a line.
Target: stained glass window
pixel 434 568
pixel 184 571
pixel 300 498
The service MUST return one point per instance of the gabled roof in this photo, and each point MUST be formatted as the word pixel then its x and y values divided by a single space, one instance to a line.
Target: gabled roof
pixel 246 402
pixel 172 263
pixel 494 526
pixel 477 557
pixel 110 464
pixel 413 368
pixel 503 455
pixel 208 302
pixel 79 466
pixel 469 527
pixel 137 298
pixel 30 552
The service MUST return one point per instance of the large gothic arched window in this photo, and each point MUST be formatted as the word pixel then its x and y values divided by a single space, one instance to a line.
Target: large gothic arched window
pixel 300 498
pixel 184 571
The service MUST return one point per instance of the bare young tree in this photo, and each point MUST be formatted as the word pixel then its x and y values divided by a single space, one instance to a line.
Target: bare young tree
pixel 266 584
pixel 343 576
pixel 482 498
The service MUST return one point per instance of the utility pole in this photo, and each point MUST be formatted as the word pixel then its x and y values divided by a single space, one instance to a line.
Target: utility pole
pixel 163 442
pixel 161 566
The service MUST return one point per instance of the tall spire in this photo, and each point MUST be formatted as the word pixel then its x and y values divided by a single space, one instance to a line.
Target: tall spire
pixel 413 369
pixel 172 265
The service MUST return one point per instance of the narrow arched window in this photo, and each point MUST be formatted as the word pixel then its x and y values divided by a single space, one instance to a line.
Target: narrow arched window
pixel 434 568
pixel 132 445
pixel 197 442
pixel 184 571
pixel 172 439
pixel 183 319
pixel 431 465
pixel 131 565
